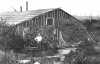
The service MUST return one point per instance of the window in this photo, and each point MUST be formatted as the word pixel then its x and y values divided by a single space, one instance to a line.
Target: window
pixel 50 21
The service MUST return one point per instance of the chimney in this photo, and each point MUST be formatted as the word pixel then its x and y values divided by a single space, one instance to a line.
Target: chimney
pixel 26 5
pixel 20 8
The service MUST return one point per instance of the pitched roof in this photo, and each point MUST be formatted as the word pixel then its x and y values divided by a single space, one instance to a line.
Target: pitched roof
pixel 18 17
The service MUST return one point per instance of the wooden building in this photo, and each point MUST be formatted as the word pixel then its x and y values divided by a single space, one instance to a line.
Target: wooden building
pixel 53 24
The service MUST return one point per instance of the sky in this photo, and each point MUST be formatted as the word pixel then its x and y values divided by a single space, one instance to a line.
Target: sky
pixel 74 7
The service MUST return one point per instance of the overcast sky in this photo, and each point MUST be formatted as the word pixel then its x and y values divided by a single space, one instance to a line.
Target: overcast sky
pixel 74 7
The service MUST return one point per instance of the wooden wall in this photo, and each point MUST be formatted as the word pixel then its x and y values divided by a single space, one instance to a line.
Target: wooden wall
pixel 60 18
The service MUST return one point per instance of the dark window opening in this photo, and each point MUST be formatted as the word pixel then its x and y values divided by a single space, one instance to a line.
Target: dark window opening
pixel 49 21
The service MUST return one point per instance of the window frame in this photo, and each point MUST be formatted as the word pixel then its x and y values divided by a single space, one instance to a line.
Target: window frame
pixel 47 20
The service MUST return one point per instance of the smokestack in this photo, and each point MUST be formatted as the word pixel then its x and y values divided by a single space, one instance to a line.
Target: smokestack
pixel 20 8
pixel 26 5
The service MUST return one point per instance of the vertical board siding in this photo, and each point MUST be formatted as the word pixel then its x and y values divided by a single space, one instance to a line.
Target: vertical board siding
pixel 30 22
pixel 40 21
pixel 60 17
pixel 36 21
pixel 43 20
pixel 56 26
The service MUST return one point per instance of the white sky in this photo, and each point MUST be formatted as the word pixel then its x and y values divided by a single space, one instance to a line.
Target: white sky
pixel 74 7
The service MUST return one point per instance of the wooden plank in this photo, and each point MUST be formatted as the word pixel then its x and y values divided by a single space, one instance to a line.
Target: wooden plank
pixel 42 21
pixel 39 21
